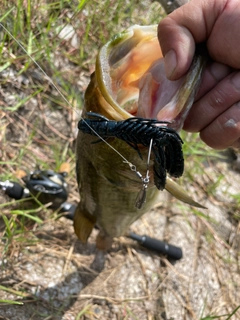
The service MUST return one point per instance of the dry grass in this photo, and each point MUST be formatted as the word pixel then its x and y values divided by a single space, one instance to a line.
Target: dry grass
pixel 45 272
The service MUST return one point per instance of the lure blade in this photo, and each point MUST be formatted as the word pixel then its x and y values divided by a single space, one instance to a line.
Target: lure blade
pixel 141 198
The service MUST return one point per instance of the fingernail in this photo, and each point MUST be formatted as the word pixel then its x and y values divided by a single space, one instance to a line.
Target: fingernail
pixel 219 71
pixel 236 80
pixel 170 62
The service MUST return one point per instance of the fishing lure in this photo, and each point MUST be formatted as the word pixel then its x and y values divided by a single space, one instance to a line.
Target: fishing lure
pixel 166 143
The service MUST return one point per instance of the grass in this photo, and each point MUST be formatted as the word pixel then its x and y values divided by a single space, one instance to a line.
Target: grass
pixel 38 128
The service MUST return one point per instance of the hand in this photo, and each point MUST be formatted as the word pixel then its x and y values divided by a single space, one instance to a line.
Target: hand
pixel 216 112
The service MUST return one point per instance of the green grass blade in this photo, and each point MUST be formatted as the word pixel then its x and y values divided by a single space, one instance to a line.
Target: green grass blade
pixel 6 14
pixel 11 302
pixel 12 291
pixel 27 215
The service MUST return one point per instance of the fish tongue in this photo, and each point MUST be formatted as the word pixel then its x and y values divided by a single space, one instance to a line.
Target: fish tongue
pixel 169 100
pixel 155 92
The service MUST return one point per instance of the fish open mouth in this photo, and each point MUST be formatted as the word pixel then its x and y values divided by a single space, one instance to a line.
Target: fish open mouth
pixel 130 74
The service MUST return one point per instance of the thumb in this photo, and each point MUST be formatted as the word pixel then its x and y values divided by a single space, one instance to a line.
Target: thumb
pixel 178 47
pixel 178 32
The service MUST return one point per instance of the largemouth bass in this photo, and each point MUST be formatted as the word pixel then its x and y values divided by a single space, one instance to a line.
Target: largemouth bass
pixel 129 81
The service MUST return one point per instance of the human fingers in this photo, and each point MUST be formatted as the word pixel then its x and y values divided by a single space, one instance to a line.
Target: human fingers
pixel 179 31
pixel 212 75
pixel 224 41
pixel 217 102
pixel 224 131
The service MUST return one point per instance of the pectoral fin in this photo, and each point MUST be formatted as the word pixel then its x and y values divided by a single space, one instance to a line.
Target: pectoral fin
pixel 179 193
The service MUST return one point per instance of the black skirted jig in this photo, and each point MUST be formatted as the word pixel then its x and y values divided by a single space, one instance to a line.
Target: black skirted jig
pixel 166 143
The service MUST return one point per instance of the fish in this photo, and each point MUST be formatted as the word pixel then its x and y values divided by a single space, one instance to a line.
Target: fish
pixel 129 82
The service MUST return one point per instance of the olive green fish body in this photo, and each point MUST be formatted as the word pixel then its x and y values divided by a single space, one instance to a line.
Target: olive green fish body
pixel 107 185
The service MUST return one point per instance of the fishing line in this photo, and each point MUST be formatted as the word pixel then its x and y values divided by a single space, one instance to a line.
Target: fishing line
pixel 132 167
pixel 141 197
